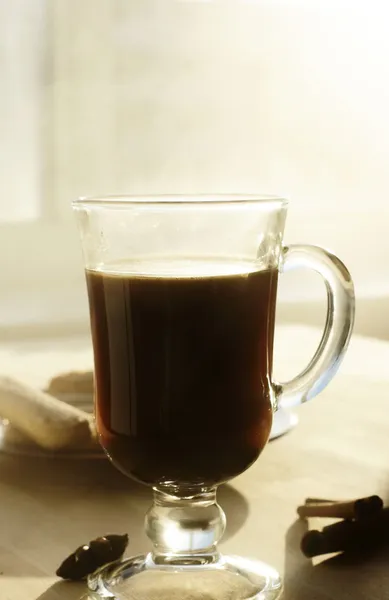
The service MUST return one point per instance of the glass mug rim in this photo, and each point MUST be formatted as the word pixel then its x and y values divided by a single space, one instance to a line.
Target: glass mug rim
pixel 126 200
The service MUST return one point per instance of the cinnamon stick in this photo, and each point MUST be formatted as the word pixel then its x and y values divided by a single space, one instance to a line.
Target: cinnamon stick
pixel 352 509
pixel 343 536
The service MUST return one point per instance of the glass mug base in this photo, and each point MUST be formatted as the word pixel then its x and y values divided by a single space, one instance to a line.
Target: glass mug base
pixel 140 578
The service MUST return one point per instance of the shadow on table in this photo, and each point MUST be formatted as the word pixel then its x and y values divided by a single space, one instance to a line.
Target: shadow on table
pixel 61 492
pixel 65 590
pixel 359 577
pixel 99 482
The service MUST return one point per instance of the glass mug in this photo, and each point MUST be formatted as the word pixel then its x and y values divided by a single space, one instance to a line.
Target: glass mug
pixel 182 295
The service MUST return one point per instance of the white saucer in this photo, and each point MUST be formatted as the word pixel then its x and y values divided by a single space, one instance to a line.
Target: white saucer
pixel 283 421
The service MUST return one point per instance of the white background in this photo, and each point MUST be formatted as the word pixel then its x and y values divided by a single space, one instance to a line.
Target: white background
pixel 111 96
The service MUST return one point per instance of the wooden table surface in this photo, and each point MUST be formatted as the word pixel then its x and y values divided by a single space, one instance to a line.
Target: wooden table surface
pixel 340 449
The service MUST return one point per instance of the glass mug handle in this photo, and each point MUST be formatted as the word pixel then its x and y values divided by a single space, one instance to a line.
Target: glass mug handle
pixel 338 327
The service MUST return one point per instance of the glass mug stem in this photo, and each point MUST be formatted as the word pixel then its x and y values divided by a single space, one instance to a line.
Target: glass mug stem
pixel 185 528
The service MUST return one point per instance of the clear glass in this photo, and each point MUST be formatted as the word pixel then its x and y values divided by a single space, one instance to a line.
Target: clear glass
pixel 182 294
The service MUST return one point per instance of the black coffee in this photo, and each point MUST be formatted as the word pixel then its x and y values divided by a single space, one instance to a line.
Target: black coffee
pixel 183 367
